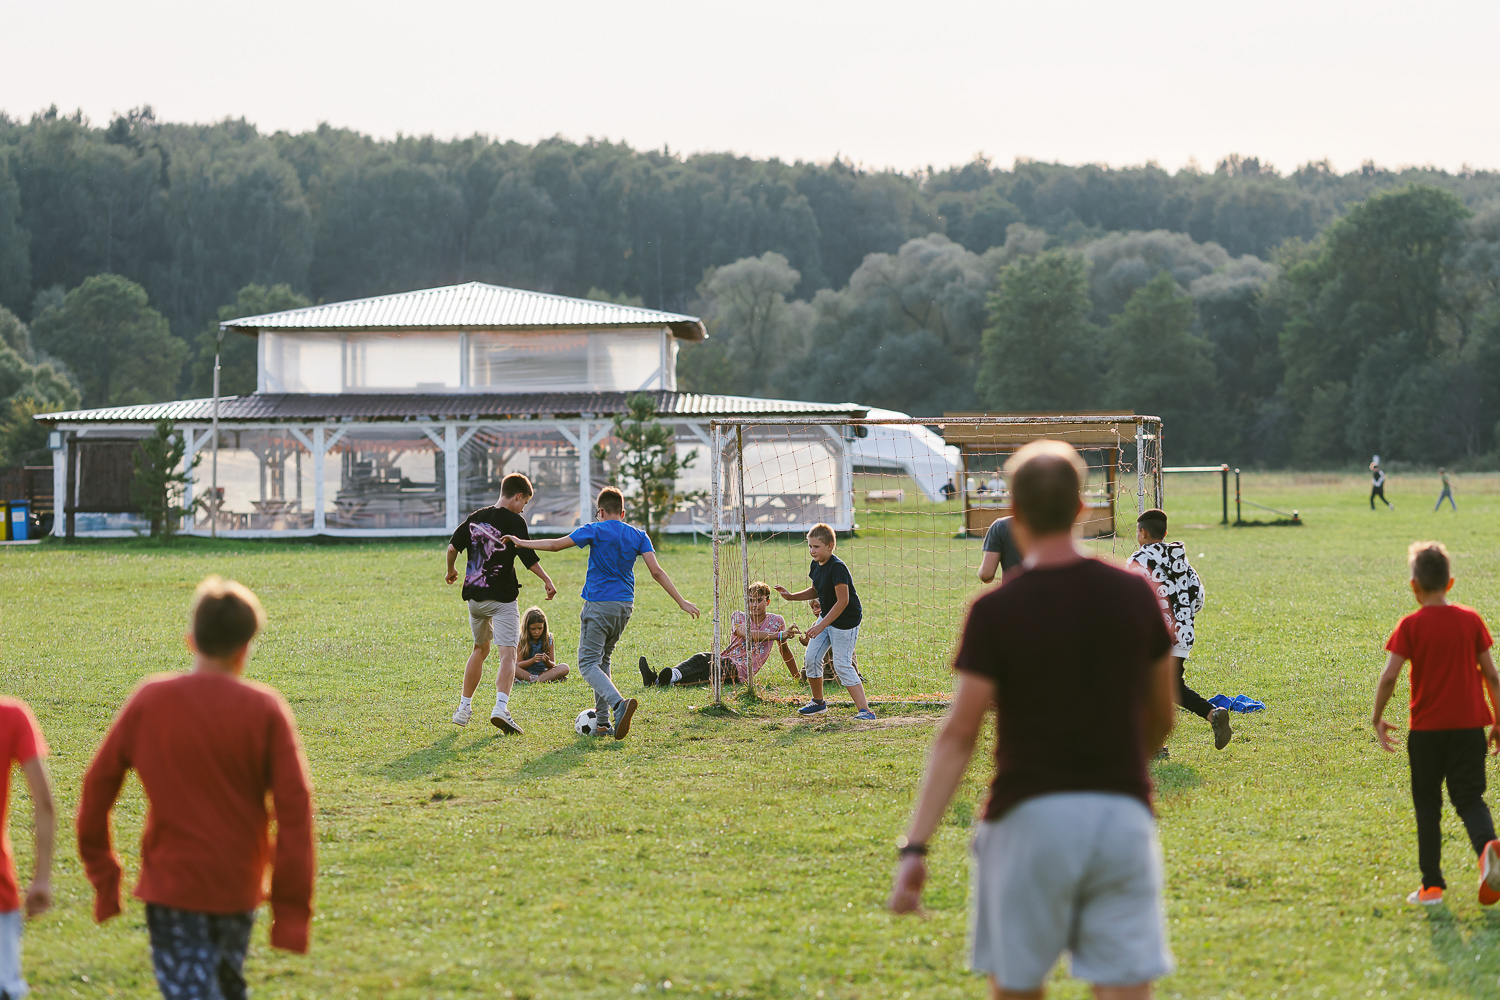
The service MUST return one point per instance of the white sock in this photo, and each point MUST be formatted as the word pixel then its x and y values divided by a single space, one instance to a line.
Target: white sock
pixel 676 676
pixel 501 700
pixel 465 701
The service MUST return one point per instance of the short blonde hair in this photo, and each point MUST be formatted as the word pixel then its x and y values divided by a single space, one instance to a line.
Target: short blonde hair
pixel 226 615
pixel 824 534
pixel 759 589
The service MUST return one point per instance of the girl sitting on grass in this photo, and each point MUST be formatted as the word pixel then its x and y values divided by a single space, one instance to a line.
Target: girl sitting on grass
pixel 535 653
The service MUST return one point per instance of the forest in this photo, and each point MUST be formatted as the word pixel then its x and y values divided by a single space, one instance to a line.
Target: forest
pixel 1303 318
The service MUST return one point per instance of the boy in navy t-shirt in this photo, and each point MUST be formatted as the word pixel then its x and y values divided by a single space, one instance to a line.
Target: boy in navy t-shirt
pixel 608 598
pixel 833 587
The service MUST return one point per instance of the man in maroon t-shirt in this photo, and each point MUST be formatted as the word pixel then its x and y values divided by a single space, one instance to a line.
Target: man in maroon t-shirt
pixel 1451 672
pixel 1075 657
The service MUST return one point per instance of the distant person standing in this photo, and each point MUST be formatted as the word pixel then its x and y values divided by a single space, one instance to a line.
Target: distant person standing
pixel 1074 657
pixel 1377 484
pixel 1000 550
pixel 1447 493
pixel 948 490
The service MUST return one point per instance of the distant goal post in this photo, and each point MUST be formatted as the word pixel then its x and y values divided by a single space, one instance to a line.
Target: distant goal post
pixel 911 545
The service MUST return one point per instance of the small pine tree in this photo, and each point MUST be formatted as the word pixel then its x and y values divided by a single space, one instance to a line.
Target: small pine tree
pixel 645 464
pixel 157 487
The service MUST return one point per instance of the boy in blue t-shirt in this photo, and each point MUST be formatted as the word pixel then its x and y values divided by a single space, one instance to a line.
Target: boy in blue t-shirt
pixel 833 587
pixel 608 598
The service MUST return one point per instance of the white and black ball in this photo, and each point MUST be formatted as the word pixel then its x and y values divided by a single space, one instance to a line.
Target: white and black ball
pixel 587 723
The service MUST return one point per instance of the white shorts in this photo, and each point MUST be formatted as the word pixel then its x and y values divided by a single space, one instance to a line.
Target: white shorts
pixel 1079 872
pixel 496 622
pixel 11 980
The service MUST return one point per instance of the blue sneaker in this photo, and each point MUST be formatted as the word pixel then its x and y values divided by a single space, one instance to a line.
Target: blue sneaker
pixel 813 708
pixel 868 715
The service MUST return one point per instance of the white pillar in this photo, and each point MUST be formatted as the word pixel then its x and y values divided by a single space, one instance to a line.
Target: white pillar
pixel 450 475
pixel 60 487
pixel 320 520
pixel 189 442
pixel 585 473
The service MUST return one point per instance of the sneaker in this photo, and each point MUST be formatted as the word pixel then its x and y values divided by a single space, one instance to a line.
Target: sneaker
pixel 1427 897
pixel 604 729
pixel 463 715
pixel 868 715
pixel 1219 719
pixel 501 720
pixel 1163 754
pixel 624 712
pixel 813 708
pixel 648 676
pixel 1489 874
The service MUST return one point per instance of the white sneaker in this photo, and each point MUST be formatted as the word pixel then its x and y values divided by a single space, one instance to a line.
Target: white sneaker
pixel 501 720
pixel 462 716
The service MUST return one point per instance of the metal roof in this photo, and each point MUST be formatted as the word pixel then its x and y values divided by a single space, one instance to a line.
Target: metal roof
pixel 279 407
pixel 472 305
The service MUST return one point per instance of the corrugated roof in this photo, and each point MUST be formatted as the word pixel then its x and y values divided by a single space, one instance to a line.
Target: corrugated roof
pixel 274 407
pixel 473 305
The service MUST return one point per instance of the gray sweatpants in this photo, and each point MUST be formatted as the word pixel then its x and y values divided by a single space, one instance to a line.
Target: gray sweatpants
pixel 603 622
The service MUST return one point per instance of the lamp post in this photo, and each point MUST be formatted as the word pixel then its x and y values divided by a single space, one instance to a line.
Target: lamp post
pixel 213 494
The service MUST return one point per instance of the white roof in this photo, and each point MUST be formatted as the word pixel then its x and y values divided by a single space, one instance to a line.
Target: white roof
pixel 472 305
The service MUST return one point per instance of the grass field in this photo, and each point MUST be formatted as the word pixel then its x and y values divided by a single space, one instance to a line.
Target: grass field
pixel 749 856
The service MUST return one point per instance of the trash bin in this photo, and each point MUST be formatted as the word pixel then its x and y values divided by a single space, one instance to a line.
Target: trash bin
pixel 18 520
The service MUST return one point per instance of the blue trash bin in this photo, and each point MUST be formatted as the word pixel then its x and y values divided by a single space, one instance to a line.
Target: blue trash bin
pixel 18 514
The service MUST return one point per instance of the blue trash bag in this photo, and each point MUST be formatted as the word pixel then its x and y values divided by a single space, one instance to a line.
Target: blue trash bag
pixel 1239 703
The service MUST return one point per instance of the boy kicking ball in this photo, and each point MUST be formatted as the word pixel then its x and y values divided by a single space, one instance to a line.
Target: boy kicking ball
pixel 838 629
pixel 1444 643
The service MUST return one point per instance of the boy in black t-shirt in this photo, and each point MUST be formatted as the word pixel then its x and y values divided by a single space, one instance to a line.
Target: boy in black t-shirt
pixel 491 589
pixel 833 586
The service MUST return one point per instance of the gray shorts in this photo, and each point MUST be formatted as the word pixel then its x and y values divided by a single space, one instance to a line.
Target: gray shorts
pixel 1079 872
pixel 495 622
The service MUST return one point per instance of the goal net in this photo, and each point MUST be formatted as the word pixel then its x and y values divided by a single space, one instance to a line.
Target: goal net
pixel 910 501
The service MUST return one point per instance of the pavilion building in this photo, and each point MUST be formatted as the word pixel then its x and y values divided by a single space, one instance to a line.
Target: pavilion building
pixel 399 414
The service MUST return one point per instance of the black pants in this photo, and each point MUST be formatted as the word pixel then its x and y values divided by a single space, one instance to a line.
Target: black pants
pixel 1379 491
pixel 1186 696
pixel 696 669
pixel 1457 755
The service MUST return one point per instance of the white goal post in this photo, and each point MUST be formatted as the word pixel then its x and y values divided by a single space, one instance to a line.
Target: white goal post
pixel 910 501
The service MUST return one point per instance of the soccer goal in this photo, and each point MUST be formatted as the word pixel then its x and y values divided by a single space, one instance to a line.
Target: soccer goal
pixel 911 501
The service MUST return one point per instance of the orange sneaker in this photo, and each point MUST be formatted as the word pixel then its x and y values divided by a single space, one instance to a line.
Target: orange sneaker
pixel 1427 897
pixel 1489 874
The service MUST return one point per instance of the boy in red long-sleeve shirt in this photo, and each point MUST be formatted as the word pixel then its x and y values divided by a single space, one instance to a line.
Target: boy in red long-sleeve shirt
pixel 208 747
pixel 1451 672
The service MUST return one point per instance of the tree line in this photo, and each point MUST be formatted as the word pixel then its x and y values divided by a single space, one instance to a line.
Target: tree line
pixel 122 246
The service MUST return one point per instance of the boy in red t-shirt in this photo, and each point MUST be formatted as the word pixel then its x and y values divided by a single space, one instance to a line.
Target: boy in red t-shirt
pixel 21 743
pixel 1451 669
pixel 211 749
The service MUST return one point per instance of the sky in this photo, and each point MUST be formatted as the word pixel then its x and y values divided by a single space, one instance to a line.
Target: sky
pixel 901 85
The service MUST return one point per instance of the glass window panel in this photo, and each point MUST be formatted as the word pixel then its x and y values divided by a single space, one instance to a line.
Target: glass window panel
pixel 563 362
pixel 421 362
pixel 543 455
pixel 388 478
pixel 265 480
pixel 302 362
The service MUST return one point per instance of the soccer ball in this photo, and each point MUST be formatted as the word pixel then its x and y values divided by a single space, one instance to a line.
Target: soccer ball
pixel 587 723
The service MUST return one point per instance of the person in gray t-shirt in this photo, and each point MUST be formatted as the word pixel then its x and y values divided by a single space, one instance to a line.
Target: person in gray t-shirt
pixel 1000 551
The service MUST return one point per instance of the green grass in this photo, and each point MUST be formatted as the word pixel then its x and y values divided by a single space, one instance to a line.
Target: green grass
pixel 749 855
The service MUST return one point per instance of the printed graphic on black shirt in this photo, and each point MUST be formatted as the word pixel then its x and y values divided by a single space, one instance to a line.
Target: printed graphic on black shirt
pixel 490 573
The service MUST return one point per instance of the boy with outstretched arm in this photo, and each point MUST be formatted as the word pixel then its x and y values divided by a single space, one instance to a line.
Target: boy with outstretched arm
pixel 490 590
pixel 1180 594
pixel 1451 672
pixel 833 586
pixel 21 743
pixel 608 598
pixel 217 755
